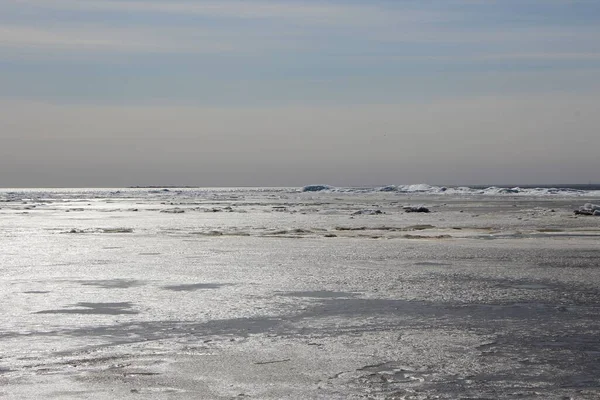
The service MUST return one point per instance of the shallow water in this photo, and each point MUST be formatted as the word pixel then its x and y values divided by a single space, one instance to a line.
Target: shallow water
pixel 275 293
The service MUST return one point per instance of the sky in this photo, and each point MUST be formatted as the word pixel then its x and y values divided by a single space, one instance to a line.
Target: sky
pixel 111 93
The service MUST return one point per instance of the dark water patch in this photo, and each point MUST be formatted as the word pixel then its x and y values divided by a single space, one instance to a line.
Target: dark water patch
pixel 385 228
pixel 93 361
pixel 397 314
pixel 208 233
pixel 37 291
pixel 99 230
pixel 538 373
pixel 358 312
pixel 560 292
pixel 282 236
pixel 534 235
pixel 116 230
pixel 272 361
pixel 432 264
pixel 113 283
pixel 95 308
pixel 175 210
pixel 426 237
pixel 418 227
pixel 551 349
pixel 571 341
pixel 534 339
pixel 150 254
pixel 319 294
pixel 555 257
pixel 140 373
pixel 567 352
pixel 349 228
pixel 190 287
pixel 296 231
pixel 525 285
pixel 579 262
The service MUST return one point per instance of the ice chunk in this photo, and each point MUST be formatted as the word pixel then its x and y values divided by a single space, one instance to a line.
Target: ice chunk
pixel 175 210
pixel 367 212
pixel 389 188
pixel 316 188
pixel 419 209
pixel 588 209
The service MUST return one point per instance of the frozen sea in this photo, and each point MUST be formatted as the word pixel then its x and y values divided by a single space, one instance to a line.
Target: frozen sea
pixel 280 293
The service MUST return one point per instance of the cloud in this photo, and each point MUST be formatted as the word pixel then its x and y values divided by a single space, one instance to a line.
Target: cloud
pixel 287 25
pixel 141 39
pixel 304 11
pixel 481 57
pixel 386 45
pixel 16 36
pixel 552 56
pixel 317 27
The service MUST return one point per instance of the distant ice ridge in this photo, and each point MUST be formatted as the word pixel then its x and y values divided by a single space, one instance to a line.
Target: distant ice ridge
pixel 492 190
pixel 317 188
pixel 457 190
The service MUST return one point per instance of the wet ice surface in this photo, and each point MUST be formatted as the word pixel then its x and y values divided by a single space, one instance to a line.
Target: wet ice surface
pixel 281 294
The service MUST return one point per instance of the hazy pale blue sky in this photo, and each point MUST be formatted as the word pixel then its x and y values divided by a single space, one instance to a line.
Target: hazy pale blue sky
pixel 134 92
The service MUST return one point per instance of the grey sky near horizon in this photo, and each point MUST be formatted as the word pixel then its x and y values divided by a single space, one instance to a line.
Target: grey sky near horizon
pixel 262 93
